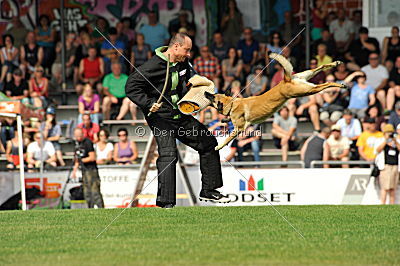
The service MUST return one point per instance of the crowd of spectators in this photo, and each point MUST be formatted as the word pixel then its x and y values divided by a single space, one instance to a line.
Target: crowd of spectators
pixel 345 121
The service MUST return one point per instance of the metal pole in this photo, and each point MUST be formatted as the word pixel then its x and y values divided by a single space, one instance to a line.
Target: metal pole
pixel 21 162
pixel 307 6
pixel 63 53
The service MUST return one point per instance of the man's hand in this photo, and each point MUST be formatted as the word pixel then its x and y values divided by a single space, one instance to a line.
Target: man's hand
pixel 155 107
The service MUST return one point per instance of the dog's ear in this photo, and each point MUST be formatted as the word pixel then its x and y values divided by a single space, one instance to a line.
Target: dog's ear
pixel 209 96
pixel 220 107
pixel 228 92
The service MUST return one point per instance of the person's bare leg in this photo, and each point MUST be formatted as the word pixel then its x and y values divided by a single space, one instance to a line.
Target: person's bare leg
pixel 314 115
pixel 124 109
pixel 133 110
pixel 392 194
pixel 390 97
pixel 106 107
pixel 60 158
pixel 381 96
pixel 383 196
pixel 3 73
pixel 285 149
pixel 291 105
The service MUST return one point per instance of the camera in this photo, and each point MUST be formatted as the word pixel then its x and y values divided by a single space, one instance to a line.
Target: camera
pixel 78 150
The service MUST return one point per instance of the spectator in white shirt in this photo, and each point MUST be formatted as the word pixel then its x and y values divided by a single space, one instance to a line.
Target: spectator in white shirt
pixel 35 155
pixel 342 30
pixel 350 128
pixel 336 147
pixel 103 148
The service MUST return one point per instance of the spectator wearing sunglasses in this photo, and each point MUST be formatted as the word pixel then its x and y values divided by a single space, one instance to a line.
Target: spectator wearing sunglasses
pixel 125 151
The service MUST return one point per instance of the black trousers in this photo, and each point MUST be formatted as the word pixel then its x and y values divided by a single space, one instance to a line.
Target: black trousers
pixel 192 133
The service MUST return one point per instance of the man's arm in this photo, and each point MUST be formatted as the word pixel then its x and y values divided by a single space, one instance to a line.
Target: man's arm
pixel 90 158
pixel 135 90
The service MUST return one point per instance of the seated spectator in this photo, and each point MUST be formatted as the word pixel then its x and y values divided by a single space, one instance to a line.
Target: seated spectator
pixel 391 48
pixel 387 161
pixel 52 132
pixel 31 54
pixel 278 76
pixel 46 37
pixel 377 77
pixel 121 36
pixel 9 55
pixel 320 77
pixel 40 151
pixel 375 112
pixel 250 139
pixel 56 68
pixel 357 22
pixel 322 57
pixel 141 51
pixel 114 91
pixel 7 129
pixel 305 107
pixel 104 149
pixel 313 148
pixel 342 30
pixel 361 95
pixel 89 103
pixel 125 151
pixel 90 129
pixel 393 94
pixel 236 89
pixel 248 49
pixel 284 132
pixel 155 33
pixel 102 25
pixel 341 73
pixel 351 129
pixel 256 83
pixel 275 45
pixel 220 49
pixel 17 88
pixel 18 31
pixel 231 68
pixel 12 152
pixel 232 23
pixel 91 70
pixel 394 117
pixel 333 103
pixel 327 40
pixel 127 29
pixel 336 147
pixel 109 48
pixel 221 127
pixel 208 66
pixel 39 88
pixel 360 50
pixel 367 140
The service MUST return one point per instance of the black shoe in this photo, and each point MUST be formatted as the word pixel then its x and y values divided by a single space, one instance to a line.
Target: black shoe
pixel 214 196
pixel 168 206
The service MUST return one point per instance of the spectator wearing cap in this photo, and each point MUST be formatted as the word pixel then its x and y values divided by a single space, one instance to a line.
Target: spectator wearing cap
pixel 367 140
pixel 17 88
pixel 394 117
pixel 393 93
pixel 256 83
pixel 90 130
pixel 360 50
pixel 313 147
pixel 350 128
pixel 155 33
pixel 208 66
pixel 108 49
pixel 387 161
pixel 52 132
pixel 248 50
pixel 231 68
pixel 361 95
pixel 336 147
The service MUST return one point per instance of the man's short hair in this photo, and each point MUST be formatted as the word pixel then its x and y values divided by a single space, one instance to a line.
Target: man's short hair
pixel 347 112
pixel 178 38
pixel 363 30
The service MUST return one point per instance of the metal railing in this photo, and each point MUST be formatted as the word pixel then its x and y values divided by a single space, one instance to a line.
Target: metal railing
pixel 314 163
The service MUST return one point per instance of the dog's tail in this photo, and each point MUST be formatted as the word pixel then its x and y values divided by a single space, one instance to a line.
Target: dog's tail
pixel 287 66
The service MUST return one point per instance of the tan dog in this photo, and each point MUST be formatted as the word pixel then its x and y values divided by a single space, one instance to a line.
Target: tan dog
pixel 254 110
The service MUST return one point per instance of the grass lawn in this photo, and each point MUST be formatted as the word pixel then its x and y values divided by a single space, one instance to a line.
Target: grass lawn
pixel 353 235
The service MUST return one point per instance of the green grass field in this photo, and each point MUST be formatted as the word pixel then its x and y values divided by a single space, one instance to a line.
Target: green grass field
pixel 353 235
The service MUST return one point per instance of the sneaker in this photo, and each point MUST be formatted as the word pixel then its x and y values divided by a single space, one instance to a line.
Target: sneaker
pixel 214 196
pixel 168 206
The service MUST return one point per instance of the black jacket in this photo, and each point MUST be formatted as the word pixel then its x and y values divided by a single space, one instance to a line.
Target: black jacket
pixel 144 95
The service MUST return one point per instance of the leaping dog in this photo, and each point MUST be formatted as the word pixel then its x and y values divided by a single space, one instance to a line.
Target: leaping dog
pixel 254 110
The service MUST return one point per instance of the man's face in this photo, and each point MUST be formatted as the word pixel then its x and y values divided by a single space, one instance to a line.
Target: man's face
pixel 78 135
pixel 17 78
pixel 336 134
pixel 116 69
pixel 113 37
pixel 322 50
pixel 152 18
pixel 182 52
pixel 373 60
pixel 284 113
pixel 205 53
pixel 341 15
pixel 92 52
pixel 38 139
pixel 247 34
pixel 397 63
pixel 217 38
pixel 363 36
pixel 31 37
pixel 347 118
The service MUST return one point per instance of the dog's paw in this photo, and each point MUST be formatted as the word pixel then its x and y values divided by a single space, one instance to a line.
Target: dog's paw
pixel 217 148
pixel 343 85
pixel 338 63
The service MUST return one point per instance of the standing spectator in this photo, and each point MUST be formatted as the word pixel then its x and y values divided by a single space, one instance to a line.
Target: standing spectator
pixel 343 31
pixel 56 68
pixel 90 130
pixel 104 149
pixel 114 91
pixel 360 49
pixel 125 150
pixel 328 41
pixel 31 54
pixel 351 129
pixel 334 102
pixel 377 77
pixel 357 22
pixel 313 148
pixel 336 147
pixel 232 24
pixel 182 23
pixel 219 48
pixel 9 59
pixel 284 132
pixel 102 26
pixel 52 132
pixel 387 162
pixel 322 57
pixel 231 68
pixel 17 88
pixel 39 88
pixel 121 36
pixel 394 117
pixel 108 48
pixel 248 50
pixel 46 37
pixel 319 14
pixel 256 83
pixel 89 103
pixel 127 29
pixel 40 151
pixel 391 48
pixel 289 27
pixel 367 140
pixel 250 139
pixel 90 173
pixel 18 31
pixel 154 32
pixel 208 66
pixel 393 94
pixel 91 70
pixel 361 95
pixel 81 52
pixel 141 51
